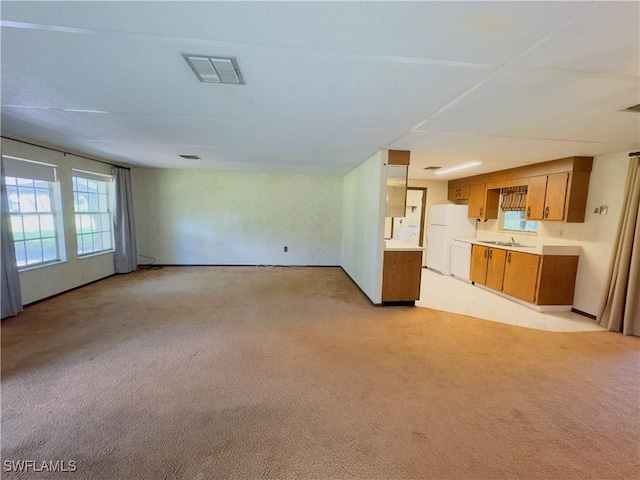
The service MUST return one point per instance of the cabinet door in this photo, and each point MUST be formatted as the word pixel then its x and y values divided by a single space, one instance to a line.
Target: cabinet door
pixel 477 194
pixel 556 196
pixel 495 268
pixel 536 192
pixel 479 259
pixel 521 275
pixel 458 193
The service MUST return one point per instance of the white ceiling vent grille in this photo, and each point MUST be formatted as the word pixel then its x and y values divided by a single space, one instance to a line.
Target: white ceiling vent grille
pixel 211 69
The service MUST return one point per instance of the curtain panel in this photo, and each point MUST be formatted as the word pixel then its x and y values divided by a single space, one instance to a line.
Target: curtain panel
pixel 11 295
pixel 619 309
pixel 126 257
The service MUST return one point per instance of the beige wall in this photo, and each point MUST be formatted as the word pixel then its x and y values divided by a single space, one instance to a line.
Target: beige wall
pixel 363 219
pixel 41 282
pixel 232 218
pixel 595 235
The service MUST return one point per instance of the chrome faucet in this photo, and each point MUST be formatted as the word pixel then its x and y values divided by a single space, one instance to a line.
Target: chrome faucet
pixel 513 241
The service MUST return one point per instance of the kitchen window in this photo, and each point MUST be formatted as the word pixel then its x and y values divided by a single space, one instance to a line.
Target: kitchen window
pixel 34 209
pixel 92 193
pixel 513 204
pixel 515 221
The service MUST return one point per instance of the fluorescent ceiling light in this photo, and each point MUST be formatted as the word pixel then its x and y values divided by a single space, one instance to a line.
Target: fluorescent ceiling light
pixel 456 168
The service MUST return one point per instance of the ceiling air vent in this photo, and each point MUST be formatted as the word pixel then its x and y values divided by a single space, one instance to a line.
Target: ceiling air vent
pixel 210 69
pixel 432 168
pixel 190 157
pixel 635 108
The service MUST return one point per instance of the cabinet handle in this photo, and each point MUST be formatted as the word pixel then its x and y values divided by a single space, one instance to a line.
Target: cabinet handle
pixel 546 212
pixel 528 212
pixel 509 257
pixel 481 210
pixel 490 253
pixel 486 253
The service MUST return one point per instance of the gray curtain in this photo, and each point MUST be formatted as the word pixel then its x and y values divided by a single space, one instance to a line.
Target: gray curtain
pixel 620 306
pixel 11 297
pixel 126 257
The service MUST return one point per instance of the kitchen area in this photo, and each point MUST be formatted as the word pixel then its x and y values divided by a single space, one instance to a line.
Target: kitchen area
pixel 483 256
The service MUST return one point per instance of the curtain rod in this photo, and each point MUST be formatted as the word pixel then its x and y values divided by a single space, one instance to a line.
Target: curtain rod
pixel 634 154
pixel 63 152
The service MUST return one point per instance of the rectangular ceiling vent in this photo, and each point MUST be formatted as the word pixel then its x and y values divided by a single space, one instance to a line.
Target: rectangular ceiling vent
pixel 634 108
pixel 210 69
pixel 190 157
pixel 432 168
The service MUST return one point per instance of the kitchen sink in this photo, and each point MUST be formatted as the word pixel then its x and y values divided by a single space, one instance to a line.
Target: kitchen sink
pixel 505 244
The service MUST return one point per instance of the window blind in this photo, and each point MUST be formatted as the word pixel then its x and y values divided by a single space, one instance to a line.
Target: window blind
pixel 514 199
pixel 17 167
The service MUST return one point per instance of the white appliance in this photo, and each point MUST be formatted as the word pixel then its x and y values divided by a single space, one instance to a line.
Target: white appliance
pixel 446 222
pixel 461 260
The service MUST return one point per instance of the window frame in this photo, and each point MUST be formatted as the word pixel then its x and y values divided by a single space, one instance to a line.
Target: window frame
pixel 108 195
pixel 21 178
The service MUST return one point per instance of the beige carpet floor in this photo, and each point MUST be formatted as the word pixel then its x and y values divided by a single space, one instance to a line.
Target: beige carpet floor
pixel 206 373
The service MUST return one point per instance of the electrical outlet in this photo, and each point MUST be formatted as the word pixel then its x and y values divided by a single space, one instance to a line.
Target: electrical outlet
pixel 286 249
pixel 561 232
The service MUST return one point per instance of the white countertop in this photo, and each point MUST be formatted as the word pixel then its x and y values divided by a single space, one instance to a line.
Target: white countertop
pixel 528 246
pixel 396 246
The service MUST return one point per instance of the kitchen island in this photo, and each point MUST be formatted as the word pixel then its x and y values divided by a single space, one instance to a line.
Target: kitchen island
pixel 402 270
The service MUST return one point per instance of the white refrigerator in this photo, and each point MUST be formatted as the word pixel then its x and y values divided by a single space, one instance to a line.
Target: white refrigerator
pixel 444 224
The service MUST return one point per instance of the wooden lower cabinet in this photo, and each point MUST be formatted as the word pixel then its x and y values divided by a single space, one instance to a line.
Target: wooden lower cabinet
pixel 401 273
pixel 521 276
pixel 537 279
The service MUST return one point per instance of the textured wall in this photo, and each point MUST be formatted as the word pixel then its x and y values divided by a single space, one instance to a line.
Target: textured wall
pixel 363 224
pixel 227 218
pixel 41 282
pixel 595 235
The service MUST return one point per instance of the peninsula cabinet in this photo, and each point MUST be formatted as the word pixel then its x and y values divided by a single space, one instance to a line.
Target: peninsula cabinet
pixel 537 279
pixel 401 273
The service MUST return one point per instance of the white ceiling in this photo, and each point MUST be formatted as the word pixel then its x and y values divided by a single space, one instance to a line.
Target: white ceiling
pixel 327 83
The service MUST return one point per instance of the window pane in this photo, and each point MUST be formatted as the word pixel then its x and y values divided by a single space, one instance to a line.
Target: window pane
pixel 43 200
pixel 31 226
pixel 82 184
pixel 10 180
pixel 47 226
pixel 42 184
pixel 25 182
pixel 92 186
pixel 93 202
pixel 83 202
pixel 87 243
pixel 104 206
pixel 97 224
pixel 106 241
pixel 49 249
pixel 34 251
pixel 75 183
pixel 21 256
pixel 16 227
pixel 14 201
pixel 106 222
pixel 27 200
pixel 102 187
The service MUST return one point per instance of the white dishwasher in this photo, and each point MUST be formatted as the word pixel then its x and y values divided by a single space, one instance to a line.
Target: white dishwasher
pixel 461 260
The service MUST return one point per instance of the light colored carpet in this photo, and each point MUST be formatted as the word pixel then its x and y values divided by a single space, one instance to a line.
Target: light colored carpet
pixel 202 373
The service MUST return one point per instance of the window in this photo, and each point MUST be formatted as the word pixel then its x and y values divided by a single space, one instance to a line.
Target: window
pixel 515 221
pixel 33 193
pixel 94 223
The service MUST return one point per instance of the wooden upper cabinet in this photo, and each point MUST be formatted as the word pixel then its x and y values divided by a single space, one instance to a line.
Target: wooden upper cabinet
pixel 479 259
pixel 483 203
pixel 555 200
pixel 495 268
pixel 521 276
pixel 557 190
pixel 476 200
pixel 459 193
pixel 535 197
pixel 547 197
